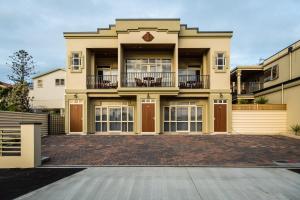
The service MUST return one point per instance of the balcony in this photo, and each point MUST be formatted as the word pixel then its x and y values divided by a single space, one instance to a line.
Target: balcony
pixel 193 81
pixel 102 82
pixel 148 79
pixel 248 88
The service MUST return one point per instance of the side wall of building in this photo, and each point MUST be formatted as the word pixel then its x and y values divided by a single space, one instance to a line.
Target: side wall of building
pixel 288 64
pixel 286 96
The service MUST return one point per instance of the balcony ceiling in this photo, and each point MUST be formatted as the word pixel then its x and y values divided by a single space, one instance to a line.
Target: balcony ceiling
pixel 191 52
pixel 106 52
pixel 248 75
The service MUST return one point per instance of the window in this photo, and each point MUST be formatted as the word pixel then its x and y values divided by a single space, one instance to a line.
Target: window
pixel 40 83
pixel 59 82
pixel 220 61
pixel 148 65
pixel 220 101
pixel 183 118
pixel 114 119
pixel 271 73
pixel 188 74
pixel 106 71
pixel 76 61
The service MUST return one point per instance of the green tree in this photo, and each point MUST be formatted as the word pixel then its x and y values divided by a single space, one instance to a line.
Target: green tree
pixel 22 67
pixel 4 92
pixel 18 99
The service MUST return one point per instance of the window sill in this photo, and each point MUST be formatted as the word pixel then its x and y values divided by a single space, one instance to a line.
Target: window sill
pixel 220 71
pixel 76 71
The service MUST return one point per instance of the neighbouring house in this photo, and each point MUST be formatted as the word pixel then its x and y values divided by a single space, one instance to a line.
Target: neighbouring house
pixel 245 80
pixel 48 91
pixel 282 81
pixel 148 76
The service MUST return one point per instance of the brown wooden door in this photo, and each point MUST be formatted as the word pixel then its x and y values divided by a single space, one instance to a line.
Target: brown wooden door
pixel 75 118
pixel 148 117
pixel 220 111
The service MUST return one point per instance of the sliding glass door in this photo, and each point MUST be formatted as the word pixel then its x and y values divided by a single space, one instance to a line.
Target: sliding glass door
pixel 179 118
pixel 114 119
pixel 182 118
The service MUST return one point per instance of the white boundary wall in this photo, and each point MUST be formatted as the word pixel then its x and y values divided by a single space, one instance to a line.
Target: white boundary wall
pixel 259 121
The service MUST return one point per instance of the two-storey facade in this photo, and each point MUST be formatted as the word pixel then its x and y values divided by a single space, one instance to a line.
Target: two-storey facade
pixel 148 76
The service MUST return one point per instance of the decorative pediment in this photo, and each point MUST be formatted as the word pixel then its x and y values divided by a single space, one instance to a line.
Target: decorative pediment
pixel 148 37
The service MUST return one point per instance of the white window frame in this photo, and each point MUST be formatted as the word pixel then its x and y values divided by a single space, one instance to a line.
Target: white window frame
pixel 77 67
pixel 108 120
pixel 223 58
pixel 272 77
pixel 138 62
pixel 109 69
pixel 220 101
pixel 170 121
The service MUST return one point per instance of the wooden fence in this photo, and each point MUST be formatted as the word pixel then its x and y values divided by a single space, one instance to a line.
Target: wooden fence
pixel 259 118
pixel 258 106
pixel 56 124
pixel 13 119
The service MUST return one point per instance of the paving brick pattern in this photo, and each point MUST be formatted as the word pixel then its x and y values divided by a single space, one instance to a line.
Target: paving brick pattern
pixel 212 150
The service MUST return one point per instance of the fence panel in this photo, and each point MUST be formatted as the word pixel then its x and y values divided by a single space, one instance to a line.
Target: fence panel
pixel 259 107
pixel 56 124
pixel 259 121
pixel 13 119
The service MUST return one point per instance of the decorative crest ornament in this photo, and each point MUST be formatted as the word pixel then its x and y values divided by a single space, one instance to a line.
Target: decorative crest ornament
pixel 148 37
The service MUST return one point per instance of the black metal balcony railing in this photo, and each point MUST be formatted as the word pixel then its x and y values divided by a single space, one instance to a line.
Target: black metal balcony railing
pixel 193 81
pixel 248 87
pixel 102 82
pixel 148 79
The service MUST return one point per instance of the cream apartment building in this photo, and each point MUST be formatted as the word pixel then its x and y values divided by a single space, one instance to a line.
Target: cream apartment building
pixel 148 76
pixel 282 81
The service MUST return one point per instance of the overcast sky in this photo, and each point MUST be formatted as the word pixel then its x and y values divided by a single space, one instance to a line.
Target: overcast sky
pixel 261 27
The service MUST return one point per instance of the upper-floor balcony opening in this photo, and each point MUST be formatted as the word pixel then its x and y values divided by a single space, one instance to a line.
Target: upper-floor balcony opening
pixel 247 87
pixel 102 70
pixel 193 68
pixel 246 79
pixel 147 66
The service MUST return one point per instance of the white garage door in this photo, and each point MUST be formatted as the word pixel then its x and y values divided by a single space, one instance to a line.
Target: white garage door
pixel 259 121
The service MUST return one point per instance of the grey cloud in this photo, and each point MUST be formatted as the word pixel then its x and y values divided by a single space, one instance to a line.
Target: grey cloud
pixel 261 27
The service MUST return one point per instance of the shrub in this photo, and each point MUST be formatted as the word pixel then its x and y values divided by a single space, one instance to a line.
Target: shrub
pixel 244 101
pixel 261 100
pixel 296 129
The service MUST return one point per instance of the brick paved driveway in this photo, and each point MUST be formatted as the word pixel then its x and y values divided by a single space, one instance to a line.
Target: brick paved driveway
pixel 220 150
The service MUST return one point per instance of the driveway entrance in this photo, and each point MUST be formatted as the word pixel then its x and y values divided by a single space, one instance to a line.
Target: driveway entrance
pixel 132 183
pixel 207 150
